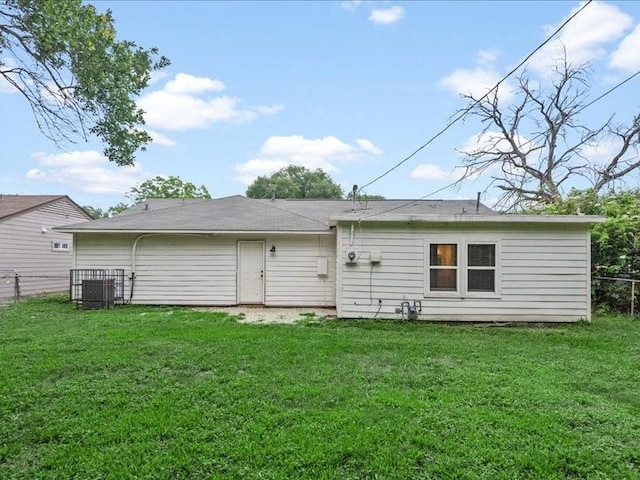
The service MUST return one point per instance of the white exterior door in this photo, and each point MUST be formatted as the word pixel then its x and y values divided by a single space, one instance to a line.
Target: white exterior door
pixel 250 272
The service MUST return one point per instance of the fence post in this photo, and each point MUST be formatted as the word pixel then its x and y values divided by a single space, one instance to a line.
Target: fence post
pixel 16 287
pixel 633 295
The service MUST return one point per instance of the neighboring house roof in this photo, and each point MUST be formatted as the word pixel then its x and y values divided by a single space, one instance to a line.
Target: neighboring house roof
pixel 242 214
pixel 11 205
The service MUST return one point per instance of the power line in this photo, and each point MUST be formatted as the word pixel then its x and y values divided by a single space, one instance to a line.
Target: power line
pixel 463 113
pixel 532 140
pixel 615 87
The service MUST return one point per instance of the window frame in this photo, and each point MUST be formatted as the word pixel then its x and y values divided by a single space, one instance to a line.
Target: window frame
pixel 494 267
pixel 63 246
pixel 456 268
pixel 462 290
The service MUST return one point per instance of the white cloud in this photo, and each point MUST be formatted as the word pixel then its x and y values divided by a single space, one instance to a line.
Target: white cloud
pixel 5 86
pixel 386 16
pixel 189 85
pixel 69 159
pixel 350 5
pixel 584 38
pixel 368 146
pixel 88 171
pixel 156 75
pixel 249 171
pixel 302 149
pixel 325 153
pixel 480 80
pixel 494 141
pixel 600 153
pixel 180 105
pixel 487 57
pixel 476 82
pixel 264 110
pixel 160 139
pixel 430 172
pixel 626 56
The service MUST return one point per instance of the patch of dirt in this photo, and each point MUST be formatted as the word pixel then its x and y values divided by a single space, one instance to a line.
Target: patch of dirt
pixel 266 315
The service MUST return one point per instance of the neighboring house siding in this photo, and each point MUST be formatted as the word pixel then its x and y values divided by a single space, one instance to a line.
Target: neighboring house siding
pixel 26 247
pixel 202 269
pixel 542 272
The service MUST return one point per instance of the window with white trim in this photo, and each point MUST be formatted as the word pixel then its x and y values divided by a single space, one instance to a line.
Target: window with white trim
pixel 58 246
pixel 461 268
pixel 443 267
pixel 481 267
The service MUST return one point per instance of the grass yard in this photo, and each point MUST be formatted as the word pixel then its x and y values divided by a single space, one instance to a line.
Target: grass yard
pixel 162 393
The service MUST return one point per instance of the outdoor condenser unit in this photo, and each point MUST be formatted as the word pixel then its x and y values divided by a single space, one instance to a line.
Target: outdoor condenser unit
pixel 98 293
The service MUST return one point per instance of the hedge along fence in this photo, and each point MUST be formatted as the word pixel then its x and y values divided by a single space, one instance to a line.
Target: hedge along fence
pixel 615 243
pixel 628 284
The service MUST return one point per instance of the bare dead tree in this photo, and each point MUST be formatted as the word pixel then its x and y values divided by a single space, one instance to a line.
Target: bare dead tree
pixel 535 147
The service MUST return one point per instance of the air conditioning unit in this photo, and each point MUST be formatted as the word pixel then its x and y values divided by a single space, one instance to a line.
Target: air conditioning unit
pixel 351 256
pixel 97 293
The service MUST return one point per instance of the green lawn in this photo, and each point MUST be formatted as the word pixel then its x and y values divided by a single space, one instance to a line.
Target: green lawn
pixel 165 393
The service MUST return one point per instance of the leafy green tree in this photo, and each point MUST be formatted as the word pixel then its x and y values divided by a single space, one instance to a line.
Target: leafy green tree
pixel 63 57
pixel 166 187
pixel 364 197
pixel 116 209
pixel 295 181
pixel 95 212
pixel 615 244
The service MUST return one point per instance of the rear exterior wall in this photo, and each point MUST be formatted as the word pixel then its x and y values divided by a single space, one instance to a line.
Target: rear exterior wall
pixel 181 269
pixel 542 272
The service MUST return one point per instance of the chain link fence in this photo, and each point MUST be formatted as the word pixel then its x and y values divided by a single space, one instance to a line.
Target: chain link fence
pixel 625 292
pixel 14 285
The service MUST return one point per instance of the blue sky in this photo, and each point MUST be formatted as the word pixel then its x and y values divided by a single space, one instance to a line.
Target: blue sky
pixel 350 87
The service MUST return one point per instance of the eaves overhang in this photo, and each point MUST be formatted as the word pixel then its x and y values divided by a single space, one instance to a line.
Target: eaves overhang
pixel 484 219
pixel 329 231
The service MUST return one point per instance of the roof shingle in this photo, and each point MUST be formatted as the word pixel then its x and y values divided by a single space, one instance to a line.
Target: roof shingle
pixel 242 214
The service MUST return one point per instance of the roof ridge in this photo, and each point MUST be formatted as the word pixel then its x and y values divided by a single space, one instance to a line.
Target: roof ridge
pixel 160 207
pixel 257 200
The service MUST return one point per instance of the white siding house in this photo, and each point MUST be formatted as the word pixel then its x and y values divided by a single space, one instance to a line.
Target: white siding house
pixel 29 245
pixel 204 269
pixel 449 260
pixel 467 268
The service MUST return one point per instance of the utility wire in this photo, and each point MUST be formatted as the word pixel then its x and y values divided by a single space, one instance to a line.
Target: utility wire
pixel 464 112
pixel 532 140
pixel 615 87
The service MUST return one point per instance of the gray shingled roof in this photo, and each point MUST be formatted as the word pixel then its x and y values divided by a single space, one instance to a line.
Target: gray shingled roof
pixel 241 214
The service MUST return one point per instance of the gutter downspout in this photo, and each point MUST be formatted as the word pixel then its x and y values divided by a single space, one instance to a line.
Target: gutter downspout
pixel 134 248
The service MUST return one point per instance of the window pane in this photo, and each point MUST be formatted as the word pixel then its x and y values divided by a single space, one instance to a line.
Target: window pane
pixel 481 280
pixel 443 254
pixel 482 256
pixel 441 280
